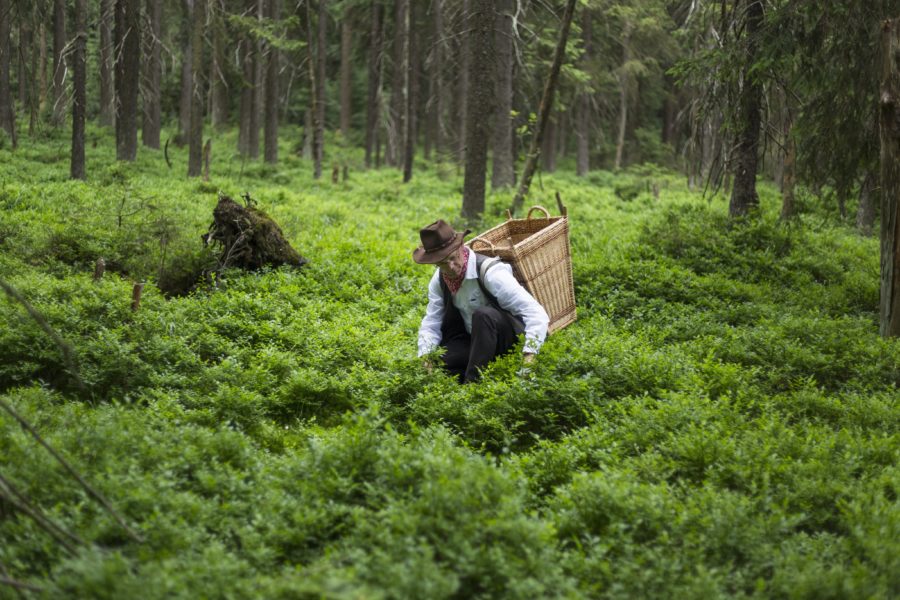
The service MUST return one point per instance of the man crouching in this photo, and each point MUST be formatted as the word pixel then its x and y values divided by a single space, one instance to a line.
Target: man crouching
pixel 476 308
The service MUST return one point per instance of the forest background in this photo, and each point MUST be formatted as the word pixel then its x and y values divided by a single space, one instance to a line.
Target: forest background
pixel 721 421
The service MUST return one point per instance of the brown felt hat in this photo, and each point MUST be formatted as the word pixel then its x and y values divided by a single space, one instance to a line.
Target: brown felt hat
pixel 438 241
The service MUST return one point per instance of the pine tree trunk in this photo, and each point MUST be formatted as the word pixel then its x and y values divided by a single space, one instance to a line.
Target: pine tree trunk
pixel 7 115
pixel 396 133
pixel 152 110
pixel 462 96
pixel 218 92
pixel 271 125
pixel 865 213
pixel 43 79
pixel 412 100
pixel 624 82
pixel 437 77
pixel 545 108
pixel 502 167
pixel 789 176
pixel 548 152
pixel 314 83
pixel 482 69
pixel 187 75
pixel 246 108
pixel 25 43
pixel 321 48
pixel 195 142
pixel 583 126
pixel 345 71
pixel 376 45
pixel 80 97
pixel 746 158
pixel 107 86
pixel 889 128
pixel 128 65
pixel 59 63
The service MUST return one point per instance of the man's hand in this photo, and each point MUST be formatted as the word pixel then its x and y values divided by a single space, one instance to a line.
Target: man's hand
pixel 429 366
pixel 528 358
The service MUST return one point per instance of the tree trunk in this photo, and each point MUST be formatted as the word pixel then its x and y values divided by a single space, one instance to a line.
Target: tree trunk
pixel 321 48
pixel 247 109
pixel 346 68
pixel 80 97
pixel 25 43
pixel 624 82
pixel 789 174
pixel 42 58
pixel 7 114
pixel 373 95
pixel 396 132
pixel 195 143
pixel 437 77
pixel 271 126
pixel 128 65
pixel 583 126
pixel 548 151
pixel 412 100
pixel 889 127
pixel 746 155
pixel 865 213
pixel 544 110
pixel 107 86
pixel 463 95
pixel 502 167
pixel 152 109
pixel 187 75
pixel 59 62
pixel 218 87
pixel 482 69
pixel 314 83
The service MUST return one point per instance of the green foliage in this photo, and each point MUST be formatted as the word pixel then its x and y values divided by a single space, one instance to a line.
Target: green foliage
pixel 721 421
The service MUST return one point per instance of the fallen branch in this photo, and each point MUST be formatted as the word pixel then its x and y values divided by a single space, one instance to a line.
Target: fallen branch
pixel 20 585
pixel 7 579
pixel 20 503
pixel 84 484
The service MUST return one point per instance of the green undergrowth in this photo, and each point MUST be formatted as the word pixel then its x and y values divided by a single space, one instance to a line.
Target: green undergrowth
pixel 721 421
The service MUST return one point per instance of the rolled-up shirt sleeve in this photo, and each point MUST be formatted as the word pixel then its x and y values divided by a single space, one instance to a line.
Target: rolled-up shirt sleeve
pixel 430 329
pixel 511 296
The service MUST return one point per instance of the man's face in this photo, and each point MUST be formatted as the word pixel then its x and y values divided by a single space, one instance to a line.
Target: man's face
pixel 452 265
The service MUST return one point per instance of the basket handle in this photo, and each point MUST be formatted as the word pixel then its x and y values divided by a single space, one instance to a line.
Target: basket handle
pixel 483 241
pixel 541 208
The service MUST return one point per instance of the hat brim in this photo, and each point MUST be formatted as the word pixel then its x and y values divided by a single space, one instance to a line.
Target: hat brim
pixel 421 256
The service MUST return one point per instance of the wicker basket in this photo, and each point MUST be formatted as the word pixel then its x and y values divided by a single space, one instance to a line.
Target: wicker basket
pixel 538 250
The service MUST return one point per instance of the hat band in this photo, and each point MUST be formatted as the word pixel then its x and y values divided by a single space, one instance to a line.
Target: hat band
pixel 442 246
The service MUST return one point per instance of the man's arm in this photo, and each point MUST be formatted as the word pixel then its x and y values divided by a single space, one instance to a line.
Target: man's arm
pixel 511 296
pixel 430 329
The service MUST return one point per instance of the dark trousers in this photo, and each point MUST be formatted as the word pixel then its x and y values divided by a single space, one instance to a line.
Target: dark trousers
pixel 494 332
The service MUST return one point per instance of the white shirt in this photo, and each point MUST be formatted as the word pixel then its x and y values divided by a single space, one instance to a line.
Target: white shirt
pixel 500 282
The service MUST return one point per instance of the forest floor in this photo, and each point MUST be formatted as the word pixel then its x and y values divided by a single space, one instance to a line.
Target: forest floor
pixel 721 421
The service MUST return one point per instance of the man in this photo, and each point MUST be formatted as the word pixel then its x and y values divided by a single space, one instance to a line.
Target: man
pixel 476 308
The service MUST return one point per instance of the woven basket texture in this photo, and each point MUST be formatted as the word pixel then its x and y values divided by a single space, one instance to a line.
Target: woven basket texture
pixel 538 250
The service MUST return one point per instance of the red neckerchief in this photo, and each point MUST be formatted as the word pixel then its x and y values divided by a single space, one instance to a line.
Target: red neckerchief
pixel 454 284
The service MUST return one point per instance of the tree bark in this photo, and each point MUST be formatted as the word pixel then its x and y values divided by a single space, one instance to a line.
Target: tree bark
pixel 502 168
pixel 247 109
pixel 548 151
pixel 218 92
pixel 270 153
pixel 865 212
pixel 373 95
pixel 107 85
pixel 195 142
pixel 345 72
pixel 889 127
pixel 789 174
pixel 746 156
pixel 80 97
pixel 7 118
pixel 321 48
pixel 59 64
pixel 152 109
pixel 544 110
pixel 480 101
pixel 438 78
pixel 463 94
pixel 396 133
pixel 25 43
pixel 43 79
pixel 412 97
pixel 583 128
pixel 187 75
pixel 314 84
pixel 128 64
pixel 624 82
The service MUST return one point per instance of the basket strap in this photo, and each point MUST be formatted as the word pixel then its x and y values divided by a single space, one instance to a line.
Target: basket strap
pixel 485 264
